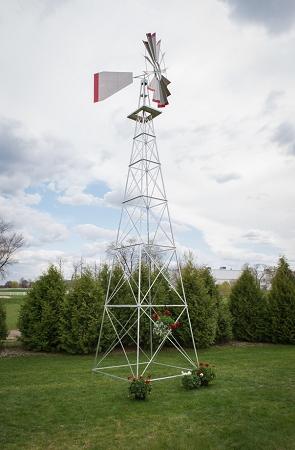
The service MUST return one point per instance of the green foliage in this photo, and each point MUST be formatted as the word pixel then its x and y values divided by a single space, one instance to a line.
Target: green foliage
pixel 191 380
pixel 224 322
pixel 119 296
pixel 139 388
pixel 81 316
pixel 3 327
pixel 40 314
pixel 206 373
pixel 224 289
pixel 196 378
pixel 201 295
pixel 282 304
pixel 248 308
pixel 12 306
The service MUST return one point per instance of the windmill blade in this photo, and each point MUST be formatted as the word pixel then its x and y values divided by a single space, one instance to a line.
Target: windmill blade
pixel 151 63
pixel 150 52
pixel 158 48
pixel 161 92
pixel 108 83
pixel 152 47
pixel 165 80
pixel 152 44
pixel 164 90
pixel 152 86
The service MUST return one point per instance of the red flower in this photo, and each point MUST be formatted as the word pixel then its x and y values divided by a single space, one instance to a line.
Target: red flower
pixel 167 312
pixel 155 316
pixel 173 326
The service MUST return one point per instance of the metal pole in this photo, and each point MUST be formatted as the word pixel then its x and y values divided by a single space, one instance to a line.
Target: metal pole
pixel 138 313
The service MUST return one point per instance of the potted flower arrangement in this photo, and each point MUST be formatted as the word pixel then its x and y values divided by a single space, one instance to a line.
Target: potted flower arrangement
pixel 206 373
pixel 164 323
pixel 191 380
pixel 139 387
pixel 198 377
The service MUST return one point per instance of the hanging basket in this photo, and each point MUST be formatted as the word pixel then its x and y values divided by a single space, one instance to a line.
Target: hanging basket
pixel 164 324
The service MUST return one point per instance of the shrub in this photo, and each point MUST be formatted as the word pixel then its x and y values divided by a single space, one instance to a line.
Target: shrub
pixel 224 322
pixel 3 327
pixel 81 316
pixel 206 373
pixel 118 296
pixel 224 289
pixel 191 380
pixel 202 306
pixel 139 388
pixel 40 314
pixel 248 308
pixel 202 376
pixel 282 304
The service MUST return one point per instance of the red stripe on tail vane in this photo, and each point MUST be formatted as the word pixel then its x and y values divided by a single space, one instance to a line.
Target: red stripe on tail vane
pixel 96 87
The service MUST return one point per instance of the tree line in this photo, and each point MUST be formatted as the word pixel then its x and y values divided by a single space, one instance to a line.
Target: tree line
pixel 60 317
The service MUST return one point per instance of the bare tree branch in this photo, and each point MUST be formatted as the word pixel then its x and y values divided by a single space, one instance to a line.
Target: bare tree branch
pixel 10 242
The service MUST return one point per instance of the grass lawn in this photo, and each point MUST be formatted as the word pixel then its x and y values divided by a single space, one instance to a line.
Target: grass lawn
pixel 55 402
pixel 12 306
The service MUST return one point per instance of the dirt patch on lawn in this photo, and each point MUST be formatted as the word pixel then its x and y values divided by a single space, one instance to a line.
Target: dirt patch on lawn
pixel 242 344
pixel 19 351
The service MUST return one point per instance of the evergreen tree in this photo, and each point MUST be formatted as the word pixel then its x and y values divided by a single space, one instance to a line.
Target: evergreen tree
pixel 40 314
pixel 282 304
pixel 224 322
pixel 248 308
pixel 224 318
pixel 121 296
pixel 202 306
pixel 224 289
pixel 81 316
pixel 3 327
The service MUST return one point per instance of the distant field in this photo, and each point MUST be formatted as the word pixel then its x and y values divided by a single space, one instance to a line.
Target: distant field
pixel 54 402
pixel 13 291
pixel 12 306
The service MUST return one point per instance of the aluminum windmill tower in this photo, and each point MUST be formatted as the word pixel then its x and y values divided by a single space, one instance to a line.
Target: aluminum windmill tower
pixel 145 248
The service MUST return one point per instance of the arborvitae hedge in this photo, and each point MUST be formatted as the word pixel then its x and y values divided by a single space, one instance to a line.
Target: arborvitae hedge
pixel 81 316
pixel 248 308
pixel 224 322
pixel 40 314
pixel 282 304
pixel 3 327
pixel 202 306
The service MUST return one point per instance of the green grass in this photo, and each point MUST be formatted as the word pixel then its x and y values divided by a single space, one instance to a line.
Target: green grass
pixel 55 402
pixel 12 306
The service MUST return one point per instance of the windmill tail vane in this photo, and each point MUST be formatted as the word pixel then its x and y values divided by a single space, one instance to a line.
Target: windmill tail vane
pixel 108 83
pixel 144 256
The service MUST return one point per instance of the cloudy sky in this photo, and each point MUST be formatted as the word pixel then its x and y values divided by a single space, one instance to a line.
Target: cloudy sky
pixel 226 142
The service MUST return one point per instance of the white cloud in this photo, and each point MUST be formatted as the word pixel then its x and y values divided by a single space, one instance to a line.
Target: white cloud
pixel 79 198
pixel 93 232
pixel 225 142
pixel 37 227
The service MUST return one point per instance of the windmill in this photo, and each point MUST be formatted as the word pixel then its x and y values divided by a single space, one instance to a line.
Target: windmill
pixel 144 257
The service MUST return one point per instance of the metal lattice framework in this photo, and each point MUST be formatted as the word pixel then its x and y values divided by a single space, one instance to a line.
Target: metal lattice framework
pixel 146 254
